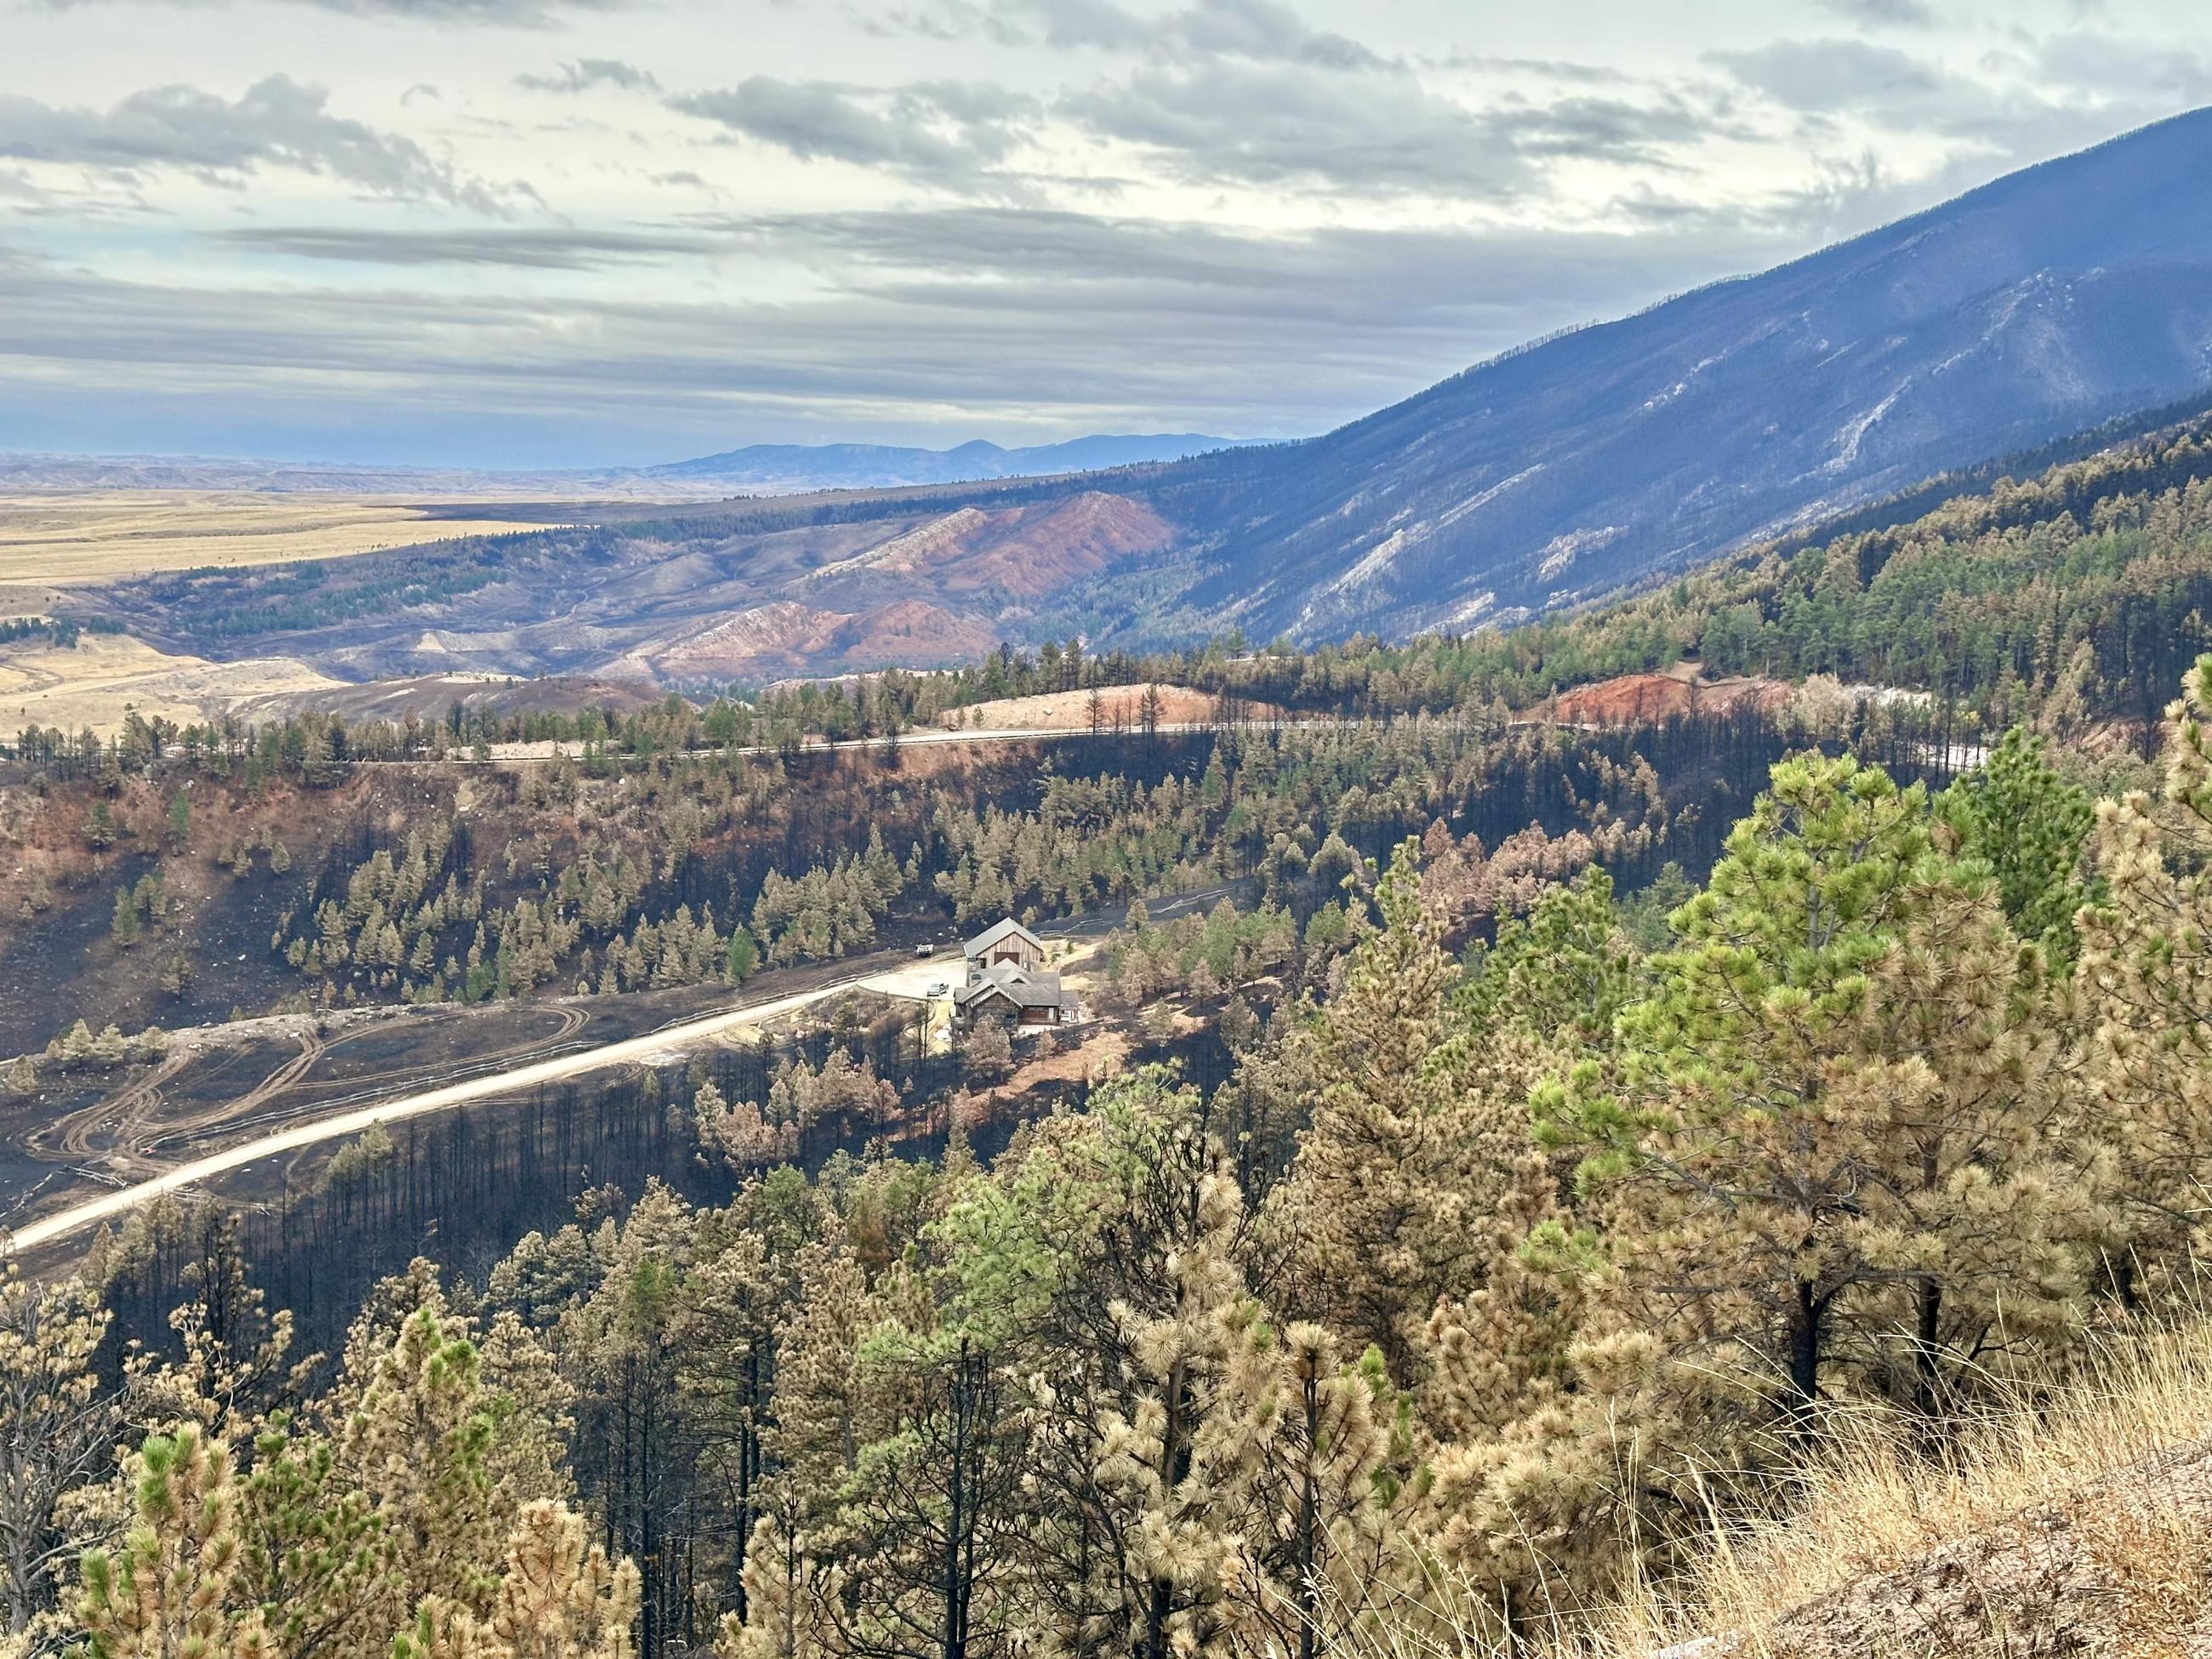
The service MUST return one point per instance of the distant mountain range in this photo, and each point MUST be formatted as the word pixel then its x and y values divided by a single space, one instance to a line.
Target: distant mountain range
pixel 761 469
pixel 788 467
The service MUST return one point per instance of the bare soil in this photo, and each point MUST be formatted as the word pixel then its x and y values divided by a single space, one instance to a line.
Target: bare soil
pixel 1070 711
pixel 2122 1567
pixel 221 1084
pixel 1647 699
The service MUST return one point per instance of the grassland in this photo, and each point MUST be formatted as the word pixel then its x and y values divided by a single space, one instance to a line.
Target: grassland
pixel 71 539
pixel 106 676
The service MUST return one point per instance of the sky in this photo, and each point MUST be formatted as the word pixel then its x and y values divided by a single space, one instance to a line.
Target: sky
pixel 584 232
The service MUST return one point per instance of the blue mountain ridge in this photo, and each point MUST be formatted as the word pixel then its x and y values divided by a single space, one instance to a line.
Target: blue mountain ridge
pixel 2045 303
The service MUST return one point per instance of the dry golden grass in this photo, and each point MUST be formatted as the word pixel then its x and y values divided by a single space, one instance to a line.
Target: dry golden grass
pixel 2099 1441
pixel 71 539
pixel 1070 711
pixel 109 675
pixel 2078 1521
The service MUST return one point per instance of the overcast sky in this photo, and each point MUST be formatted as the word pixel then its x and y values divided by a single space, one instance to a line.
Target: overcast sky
pixel 578 232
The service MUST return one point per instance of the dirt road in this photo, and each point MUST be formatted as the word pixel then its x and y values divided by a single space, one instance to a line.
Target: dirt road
pixel 546 749
pixel 913 979
pixel 630 1051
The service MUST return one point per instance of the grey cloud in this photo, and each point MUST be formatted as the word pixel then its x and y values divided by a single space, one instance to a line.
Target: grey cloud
pixel 1256 31
pixel 2088 89
pixel 1893 13
pixel 533 249
pixel 953 134
pixel 1617 129
pixel 1264 31
pixel 1493 286
pixel 521 14
pixel 949 20
pixel 1550 69
pixel 1282 124
pixel 1831 77
pixel 586 73
pixel 2112 65
pixel 1015 319
pixel 276 123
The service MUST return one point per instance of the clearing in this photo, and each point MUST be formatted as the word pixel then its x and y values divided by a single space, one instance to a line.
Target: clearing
pixel 1070 711
pixel 71 539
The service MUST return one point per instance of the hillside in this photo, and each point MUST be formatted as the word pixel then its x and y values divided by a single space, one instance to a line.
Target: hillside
pixel 2043 302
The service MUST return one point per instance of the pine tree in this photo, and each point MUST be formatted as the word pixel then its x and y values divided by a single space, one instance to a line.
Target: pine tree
pixel 169 1591
pixel 1830 1135
pixel 557 1599
pixel 316 1551
pixel 2145 988
pixel 1416 1127
pixel 58 1424
pixel 784 1589
pixel 416 1441
pixel 2020 815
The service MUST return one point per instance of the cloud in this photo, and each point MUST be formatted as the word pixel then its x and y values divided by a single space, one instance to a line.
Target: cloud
pixel 1255 31
pixel 1832 76
pixel 2078 90
pixel 1287 125
pixel 2113 66
pixel 954 134
pixel 521 14
pixel 277 123
pixel 557 249
pixel 586 73
pixel 1892 14
pixel 960 318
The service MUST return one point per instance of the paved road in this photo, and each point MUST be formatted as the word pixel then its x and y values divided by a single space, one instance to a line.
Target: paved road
pixel 629 1051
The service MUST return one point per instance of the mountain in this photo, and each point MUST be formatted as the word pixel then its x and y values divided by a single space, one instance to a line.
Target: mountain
pixel 789 467
pixel 2074 298
pixel 2043 303
pixel 762 469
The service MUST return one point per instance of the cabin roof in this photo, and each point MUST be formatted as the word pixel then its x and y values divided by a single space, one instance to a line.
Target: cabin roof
pixel 1023 990
pixel 1000 930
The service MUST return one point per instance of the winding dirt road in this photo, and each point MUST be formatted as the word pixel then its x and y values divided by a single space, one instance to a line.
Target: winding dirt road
pixel 630 1051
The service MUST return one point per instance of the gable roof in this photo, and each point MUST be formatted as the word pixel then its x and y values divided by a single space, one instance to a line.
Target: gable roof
pixel 1000 930
pixel 1032 990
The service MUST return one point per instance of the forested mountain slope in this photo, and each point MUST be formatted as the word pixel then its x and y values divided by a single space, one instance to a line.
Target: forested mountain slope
pixel 2082 590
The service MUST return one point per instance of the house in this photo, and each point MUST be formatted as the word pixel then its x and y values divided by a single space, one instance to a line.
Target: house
pixel 1002 943
pixel 1017 995
pixel 1007 980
